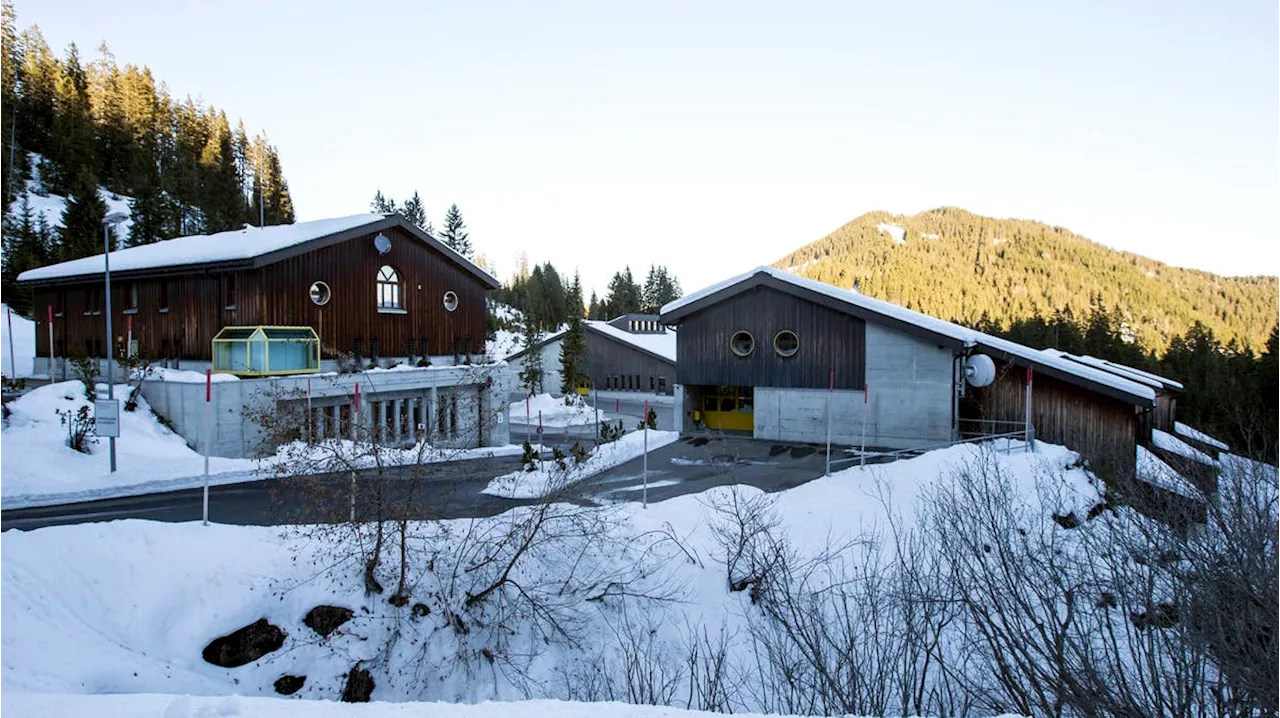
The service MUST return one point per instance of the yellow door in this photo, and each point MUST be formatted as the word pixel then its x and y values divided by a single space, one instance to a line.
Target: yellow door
pixel 729 408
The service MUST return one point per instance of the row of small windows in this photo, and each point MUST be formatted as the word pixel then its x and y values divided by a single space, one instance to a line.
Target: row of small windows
pixel 644 325
pixel 631 382
pixel 389 295
pixel 785 343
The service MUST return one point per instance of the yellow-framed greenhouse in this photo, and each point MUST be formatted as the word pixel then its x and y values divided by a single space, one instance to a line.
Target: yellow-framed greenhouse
pixel 266 350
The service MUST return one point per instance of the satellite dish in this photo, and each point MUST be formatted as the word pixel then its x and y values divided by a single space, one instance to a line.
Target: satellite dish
pixel 382 243
pixel 979 370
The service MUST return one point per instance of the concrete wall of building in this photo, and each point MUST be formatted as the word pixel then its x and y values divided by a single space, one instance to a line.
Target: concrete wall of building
pixel 415 396
pixel 908 401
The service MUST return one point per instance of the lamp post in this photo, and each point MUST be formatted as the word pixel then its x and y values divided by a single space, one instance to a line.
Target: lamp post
pixel 107 223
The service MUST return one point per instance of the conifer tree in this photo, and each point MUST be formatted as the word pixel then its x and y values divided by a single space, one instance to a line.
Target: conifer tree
pixel 82 220
pixel 382 204
pixel 623 297
pixel 531 371
pixel 573 348
pixel 24 248
pixel 593 307
pixel 41 74
pixel 73 129
pixel 455 233
pixel 416 212
pixel 659 289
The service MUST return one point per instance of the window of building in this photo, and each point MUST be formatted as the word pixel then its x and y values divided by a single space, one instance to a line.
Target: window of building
pixel 742 343
pixel 93 300
pixel 229 291
pixel 637 384
pixel 786 343
pixel 59 303
pixel 652 384
pixel 450 301
pixel 662 384
pixel 389 298
pixel 129 297
pixel 164 297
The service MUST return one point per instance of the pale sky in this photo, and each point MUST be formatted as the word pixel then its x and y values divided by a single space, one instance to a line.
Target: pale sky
pixel 716 137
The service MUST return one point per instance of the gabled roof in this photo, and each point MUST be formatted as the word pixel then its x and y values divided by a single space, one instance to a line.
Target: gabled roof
pixel 250 247
pixel 660 346
pixel 849 302
pixel 962 340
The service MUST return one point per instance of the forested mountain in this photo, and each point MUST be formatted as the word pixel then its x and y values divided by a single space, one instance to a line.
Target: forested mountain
pixel 959 266
pixel 75 128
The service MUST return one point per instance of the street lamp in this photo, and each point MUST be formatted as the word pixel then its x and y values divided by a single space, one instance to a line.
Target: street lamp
pixel 107 223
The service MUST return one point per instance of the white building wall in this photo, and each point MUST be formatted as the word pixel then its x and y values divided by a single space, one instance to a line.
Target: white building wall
pixel 908 402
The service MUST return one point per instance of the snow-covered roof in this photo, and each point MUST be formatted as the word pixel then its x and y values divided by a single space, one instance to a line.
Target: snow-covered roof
pixel 892 311
pixel 661 343
pixel 1135 375
pixel 1064 368
pixel 236 245
pixel 1189 432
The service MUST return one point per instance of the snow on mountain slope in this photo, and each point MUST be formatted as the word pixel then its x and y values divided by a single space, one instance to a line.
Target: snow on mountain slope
pixel 22 360
pixel 51 206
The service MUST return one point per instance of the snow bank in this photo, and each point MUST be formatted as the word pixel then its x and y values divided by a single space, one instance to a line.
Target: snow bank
pixel 184 376
pixel 22 361
pixel 548 478
pixel 171 706
pixel 1169 442
pixel 1187 431
pixel 555 412
pixel 37 462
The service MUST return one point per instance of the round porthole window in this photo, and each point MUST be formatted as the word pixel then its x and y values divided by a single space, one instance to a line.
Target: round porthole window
pixel 320 293
pixel 450 301
pixel 786 343
pixel 742 343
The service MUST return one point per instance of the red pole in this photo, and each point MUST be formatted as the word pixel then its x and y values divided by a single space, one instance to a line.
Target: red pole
pixel 208 385
pixel 539 421
pixel 357 396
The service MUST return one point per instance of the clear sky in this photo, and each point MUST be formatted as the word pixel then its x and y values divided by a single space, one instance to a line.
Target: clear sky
pixel 713 137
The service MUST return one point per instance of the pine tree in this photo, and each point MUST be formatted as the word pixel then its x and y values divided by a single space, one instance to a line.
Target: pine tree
pixel 381 204
pixel 37 105
pixel 416 212
pixel 10 62
pixel 659 289
pixel 151 214
pixel 594 311
pixel 455 232
pixel 573 348
pixel 113 137
pixel 623 297
pixel 223 198
pixel 24 249
pixel 531 371
pixel 82 220
pixel 73 129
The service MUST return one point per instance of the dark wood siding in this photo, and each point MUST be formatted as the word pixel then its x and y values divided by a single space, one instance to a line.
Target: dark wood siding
pixel 1102 429
pixel 610 358
pixel 829 340
pixel 278 294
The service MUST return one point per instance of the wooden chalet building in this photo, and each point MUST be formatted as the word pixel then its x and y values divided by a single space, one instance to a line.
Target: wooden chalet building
pixel 764 352
pixel 370 286
pixel 634 352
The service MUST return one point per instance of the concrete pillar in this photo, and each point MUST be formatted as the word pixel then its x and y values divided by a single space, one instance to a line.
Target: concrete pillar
pixel 433 410
pixel 335 413
pixel 397 421
pixel 381 430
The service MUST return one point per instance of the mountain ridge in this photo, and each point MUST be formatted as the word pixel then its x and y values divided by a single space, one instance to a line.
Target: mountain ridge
pixel 960 266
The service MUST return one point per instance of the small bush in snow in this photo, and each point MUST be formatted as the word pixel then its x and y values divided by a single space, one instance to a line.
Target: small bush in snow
pixel 529 458
pixel 650 420
pixel 611 432
pixel 86 370
pixel 80 425
pixel 579 453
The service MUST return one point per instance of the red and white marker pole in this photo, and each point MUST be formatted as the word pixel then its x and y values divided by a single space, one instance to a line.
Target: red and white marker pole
pixel 128 346
pixel 645 420
pixel 208 437
pixel 50 313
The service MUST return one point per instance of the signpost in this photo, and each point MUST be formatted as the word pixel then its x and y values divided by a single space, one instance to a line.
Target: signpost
pixel 208 438
pixel 107 417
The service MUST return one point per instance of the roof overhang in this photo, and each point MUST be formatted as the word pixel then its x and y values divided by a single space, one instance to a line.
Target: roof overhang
pixel 762 278
pixel 1047 369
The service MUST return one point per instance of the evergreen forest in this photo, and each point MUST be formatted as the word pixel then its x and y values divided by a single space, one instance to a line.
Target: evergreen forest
pixel 83 127
pixel 1044 286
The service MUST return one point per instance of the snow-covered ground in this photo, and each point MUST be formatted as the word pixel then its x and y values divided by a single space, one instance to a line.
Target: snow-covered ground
pixel 126 607
pixel 51 206
pixel 38 468
pixel 552 412
pixel 548 478
pixel 21 361
pixel 35 705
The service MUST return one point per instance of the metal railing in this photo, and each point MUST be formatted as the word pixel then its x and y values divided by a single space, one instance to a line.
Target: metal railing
pixel 1027 437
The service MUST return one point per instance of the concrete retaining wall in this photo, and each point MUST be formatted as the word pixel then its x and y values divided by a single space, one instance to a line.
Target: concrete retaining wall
pixel 481 390
pixel 908 404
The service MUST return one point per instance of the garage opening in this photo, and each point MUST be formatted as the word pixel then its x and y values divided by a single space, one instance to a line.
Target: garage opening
pixel 728 408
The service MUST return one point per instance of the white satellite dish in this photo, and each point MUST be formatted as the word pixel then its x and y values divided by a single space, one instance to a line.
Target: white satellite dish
pixel 979 370
pixel 382 243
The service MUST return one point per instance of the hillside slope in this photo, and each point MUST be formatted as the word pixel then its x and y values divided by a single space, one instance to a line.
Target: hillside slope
pixel 954 264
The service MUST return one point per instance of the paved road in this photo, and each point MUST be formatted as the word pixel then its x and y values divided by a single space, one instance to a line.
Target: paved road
pixel 444 490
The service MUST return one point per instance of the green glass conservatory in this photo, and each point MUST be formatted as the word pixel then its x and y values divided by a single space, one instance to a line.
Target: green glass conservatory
pixel 266 351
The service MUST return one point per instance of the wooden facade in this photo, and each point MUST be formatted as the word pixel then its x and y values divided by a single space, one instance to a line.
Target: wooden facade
pixel 1103 429
pixel 175 312
pixel 614 365
pixel 829 340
